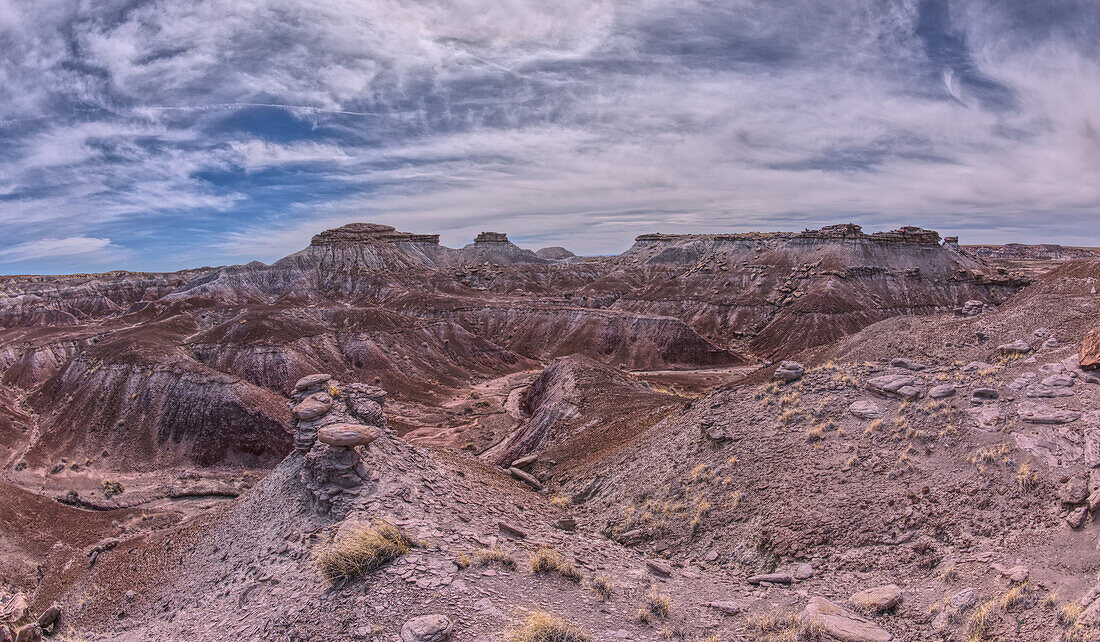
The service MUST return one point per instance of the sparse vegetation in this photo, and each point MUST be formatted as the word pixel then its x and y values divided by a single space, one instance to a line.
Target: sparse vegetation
pixel 1014 597
pixel 603 587
pixel 362 552
pixel 546 560
pixel 782 626
pixel 657 605
pixel 561 501
pixel 540 626
pixel 980 623
pixel 1026 479
pixel 112 488
pixel 489 556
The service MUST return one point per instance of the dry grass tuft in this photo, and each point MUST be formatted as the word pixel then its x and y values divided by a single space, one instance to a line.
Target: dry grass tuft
pixel 603 587
pixel 657 605
pixel 981 621
pixel 1013 597
pixel 1070 613
pixel 488 556
pixel 546 560
pixel 362 552
pixel 540 626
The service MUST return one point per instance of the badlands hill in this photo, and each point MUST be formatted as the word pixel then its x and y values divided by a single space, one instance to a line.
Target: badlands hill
pixel 209 454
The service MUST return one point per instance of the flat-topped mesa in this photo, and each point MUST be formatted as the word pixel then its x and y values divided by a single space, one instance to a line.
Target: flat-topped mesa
pixel 730 236
pixel 366 232
pixel 906 234
pixel 491 237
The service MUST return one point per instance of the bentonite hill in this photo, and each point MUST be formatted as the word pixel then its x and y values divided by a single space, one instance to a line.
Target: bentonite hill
pixel 817 435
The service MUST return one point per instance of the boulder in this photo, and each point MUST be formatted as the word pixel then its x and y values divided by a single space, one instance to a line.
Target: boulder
pixel 427 628
pixel 1016 347
pixel 1015 574
pixel 1075 491
pixel 899 385
pixel 986 393
pixel 311 381
pixel 942 391
pixel 1090 351
pixel 28 633
pixel 789 371
pixel 956 605
pixel 803 571
pixel 908 364
pixel 865 409
pixel 526 478
pixel 6 634
pixel 1076 517
pixel 729 608
pixel 658 568
pixel 1058 380
pixel 312 407
pixel 511 530
pixel 1035 413
pixel 975 366
pixel 347 435
pixel 49 616
pixel 877 600
pixel 841 623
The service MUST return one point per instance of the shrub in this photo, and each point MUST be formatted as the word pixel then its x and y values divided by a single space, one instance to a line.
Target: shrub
pixel 547 561
pixel 603 587
pixel 112 488
pixel 487 556
pixel 362 552
pixel 540 626
pixel 658 604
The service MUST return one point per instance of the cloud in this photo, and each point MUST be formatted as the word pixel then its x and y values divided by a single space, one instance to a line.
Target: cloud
pixel 50 248
pixel 220 130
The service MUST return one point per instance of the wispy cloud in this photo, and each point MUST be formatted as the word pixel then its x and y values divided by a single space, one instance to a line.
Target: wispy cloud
pixel 222 130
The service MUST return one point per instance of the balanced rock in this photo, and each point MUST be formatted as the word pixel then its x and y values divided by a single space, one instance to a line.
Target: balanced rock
pixel 841 623
pixel 347 435
pixel 311 381
pixel 313 406
pixel 427 628
pixel 789 371
pixel 878 599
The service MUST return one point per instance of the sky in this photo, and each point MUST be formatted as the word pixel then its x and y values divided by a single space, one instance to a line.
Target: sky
pixel 159 135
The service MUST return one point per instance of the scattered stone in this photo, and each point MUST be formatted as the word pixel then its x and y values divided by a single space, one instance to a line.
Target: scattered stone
pixel 865 409
pixel 841 623
pixel 427 628
pixel 789 371
pixel 803 571
pixel 130 595
pixel 311 381
pixel 1076 517
pixel 986 393
pixel 771 578
pixel 729 608
pixel 526 478
pixel 313 406
pixel 1051 343
pixel 1016 347
pixel 971 308
pixel 347 435
pixel 1093 500
pixel 659 568
pixel 511 530
pixel 908 364
pixel 942 391
pixel 878 599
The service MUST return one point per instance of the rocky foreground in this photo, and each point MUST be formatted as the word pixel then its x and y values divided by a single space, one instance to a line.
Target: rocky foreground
pixel 379 438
